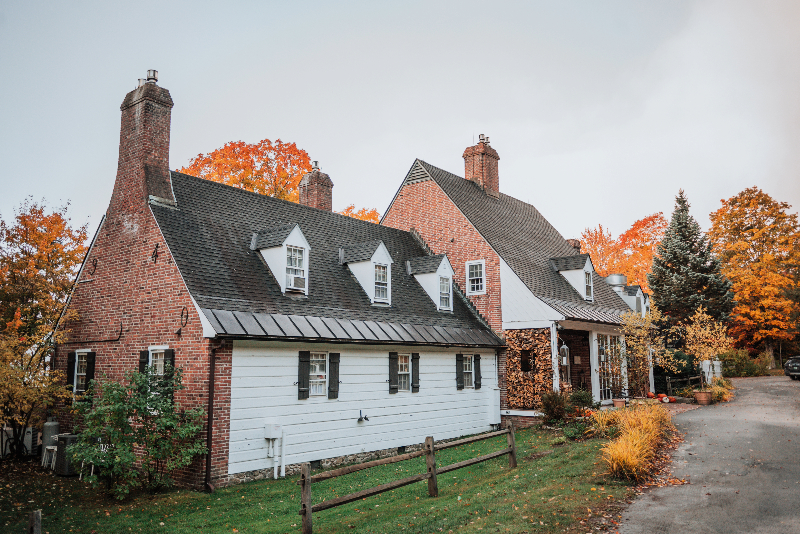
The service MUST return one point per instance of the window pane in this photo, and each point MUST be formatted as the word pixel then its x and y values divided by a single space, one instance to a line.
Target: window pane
pixel 475 277
pixel 468 380
pixel 404 372
pixel 80 372
pixel 318 373
pixel 380 273
pixel 403 382
pixel 157 361
pixel 294 262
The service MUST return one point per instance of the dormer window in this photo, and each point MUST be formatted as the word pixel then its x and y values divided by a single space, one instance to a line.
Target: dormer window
pixel 588 276
pixel 371 265
pixel 445 290
pixel 286 252
pixel 382 283
pixel 295 268
pixel 435 275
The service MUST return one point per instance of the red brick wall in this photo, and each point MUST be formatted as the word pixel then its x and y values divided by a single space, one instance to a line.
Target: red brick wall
pixel 143 292
pixel 425 207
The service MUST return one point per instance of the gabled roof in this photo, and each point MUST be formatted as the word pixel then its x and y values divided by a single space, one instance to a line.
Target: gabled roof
pixel 271 237
pixel 359 251
pixel 569 263
pixel 526 241
pixel 209 233
pixel 425 264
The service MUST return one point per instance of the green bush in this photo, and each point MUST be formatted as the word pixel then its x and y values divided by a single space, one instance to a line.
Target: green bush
pixel 575 430
pixel 738 363
pixel 581 398
pixel 554 406
pixel 138 423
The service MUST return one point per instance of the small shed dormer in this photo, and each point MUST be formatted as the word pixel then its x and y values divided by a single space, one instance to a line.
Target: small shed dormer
pixel 371 264
pixel 286 252
pixel 578 271
pixel 435 275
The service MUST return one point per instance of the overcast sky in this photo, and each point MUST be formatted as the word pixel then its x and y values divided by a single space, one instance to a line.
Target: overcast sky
pixel 600 111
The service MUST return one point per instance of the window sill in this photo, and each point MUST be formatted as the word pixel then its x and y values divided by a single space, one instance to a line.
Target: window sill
pixel 382 304
pixel 476 293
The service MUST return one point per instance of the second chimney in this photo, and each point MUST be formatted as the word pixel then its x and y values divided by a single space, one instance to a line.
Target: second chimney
pixel 316 189
pixel 480 166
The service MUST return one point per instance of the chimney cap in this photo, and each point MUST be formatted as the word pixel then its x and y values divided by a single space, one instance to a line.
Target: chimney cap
pixel 152 76
pixel 315 165
pixel 141 82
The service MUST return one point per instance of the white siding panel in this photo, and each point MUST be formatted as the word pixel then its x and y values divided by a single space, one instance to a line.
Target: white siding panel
pixel 263 391
pixel 521 308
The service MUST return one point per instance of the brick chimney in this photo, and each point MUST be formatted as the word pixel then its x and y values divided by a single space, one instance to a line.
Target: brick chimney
pixel 576 244
pixel 143 167
pixel 480 166
pixel 316 189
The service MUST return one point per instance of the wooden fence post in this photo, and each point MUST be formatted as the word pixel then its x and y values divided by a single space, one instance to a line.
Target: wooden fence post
pixel 430 460
pixel 512 442
pixel 35 522
pixel 305 497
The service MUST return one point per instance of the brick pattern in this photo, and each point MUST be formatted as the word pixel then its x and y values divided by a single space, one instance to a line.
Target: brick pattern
pixel 481 167
pixel 424 207
pixel 519 421
pixel 316 190
pixel 136 284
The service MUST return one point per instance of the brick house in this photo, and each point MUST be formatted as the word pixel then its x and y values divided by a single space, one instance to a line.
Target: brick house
pixel 305 334
pixel 534 287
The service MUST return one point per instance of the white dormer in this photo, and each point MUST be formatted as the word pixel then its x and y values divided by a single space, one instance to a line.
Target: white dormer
pixel 286 251
pixel 371 265
pixel 435 275
pixel 578 271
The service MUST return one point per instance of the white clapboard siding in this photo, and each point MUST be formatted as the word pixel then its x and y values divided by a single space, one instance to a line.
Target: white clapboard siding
pixel 264 391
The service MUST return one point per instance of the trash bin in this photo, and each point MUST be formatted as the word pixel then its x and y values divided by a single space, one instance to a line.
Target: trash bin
pixel 64 465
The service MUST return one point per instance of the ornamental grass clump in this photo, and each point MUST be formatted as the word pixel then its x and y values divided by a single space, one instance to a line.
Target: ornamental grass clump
pixel 642 429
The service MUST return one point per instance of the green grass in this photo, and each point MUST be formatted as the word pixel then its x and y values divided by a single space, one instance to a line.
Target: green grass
pixel 545 494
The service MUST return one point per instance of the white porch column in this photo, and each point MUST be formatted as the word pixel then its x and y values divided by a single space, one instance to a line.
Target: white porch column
pixel 554 355
pixel 595 365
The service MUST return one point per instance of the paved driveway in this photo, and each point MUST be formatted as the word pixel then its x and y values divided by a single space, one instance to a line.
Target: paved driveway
pixel 743 461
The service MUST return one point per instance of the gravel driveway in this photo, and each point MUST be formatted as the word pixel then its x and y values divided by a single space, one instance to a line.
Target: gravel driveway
pixel 743 461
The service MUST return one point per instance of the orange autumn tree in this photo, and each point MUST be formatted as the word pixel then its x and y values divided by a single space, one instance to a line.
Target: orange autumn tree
pixel 365 214
pixel 40 254
pixel 268 168
pixel 758 243
pixel 631 253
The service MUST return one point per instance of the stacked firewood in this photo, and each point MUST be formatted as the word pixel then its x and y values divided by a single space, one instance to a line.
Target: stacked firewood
pixel 528 349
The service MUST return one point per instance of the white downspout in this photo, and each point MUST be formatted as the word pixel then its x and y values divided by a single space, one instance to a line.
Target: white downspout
pixel 554 356
pixel 283 453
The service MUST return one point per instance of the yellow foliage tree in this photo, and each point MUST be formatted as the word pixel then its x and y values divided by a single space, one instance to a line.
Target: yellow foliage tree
pixel 644 348
pixel 39 257
pixel 706 339
pixel 758 242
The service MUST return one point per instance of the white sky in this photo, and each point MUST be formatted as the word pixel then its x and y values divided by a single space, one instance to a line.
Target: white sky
pixel 600 111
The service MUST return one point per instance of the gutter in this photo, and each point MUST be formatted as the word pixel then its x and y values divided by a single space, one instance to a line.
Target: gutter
pixel 212 355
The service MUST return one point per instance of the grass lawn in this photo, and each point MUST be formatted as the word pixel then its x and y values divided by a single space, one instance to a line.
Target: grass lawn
pixel 544 493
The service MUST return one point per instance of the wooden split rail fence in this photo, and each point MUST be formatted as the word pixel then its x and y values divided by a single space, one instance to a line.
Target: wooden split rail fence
pixel 674 383
pixel 429 449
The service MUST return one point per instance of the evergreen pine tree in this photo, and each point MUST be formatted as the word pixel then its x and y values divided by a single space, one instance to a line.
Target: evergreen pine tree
pixel 686 275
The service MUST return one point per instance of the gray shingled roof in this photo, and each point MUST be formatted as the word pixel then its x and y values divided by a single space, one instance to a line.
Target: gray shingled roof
pixel 271 237
pixel 569 263
pixel 520 234
pixel 359 251
pixel 425 264
pixel 209 233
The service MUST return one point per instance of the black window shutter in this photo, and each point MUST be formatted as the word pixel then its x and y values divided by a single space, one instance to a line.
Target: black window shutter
pixel 476 367
pixel 71 371
pixel 144 360
pixel 459 371
pixel 393 378
pixel 414 373
pixel 169 359
pixel 333 375
pixel 303 369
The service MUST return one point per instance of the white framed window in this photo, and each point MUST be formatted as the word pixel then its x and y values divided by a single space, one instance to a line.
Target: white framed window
pixel 588 276
pixel 295 268
pixel 381 282
pixel 445 296
pixel 318 374
pixel 404 372
pixel 80 371
pixel 469 381
pixel 157 358
pixel 476 277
